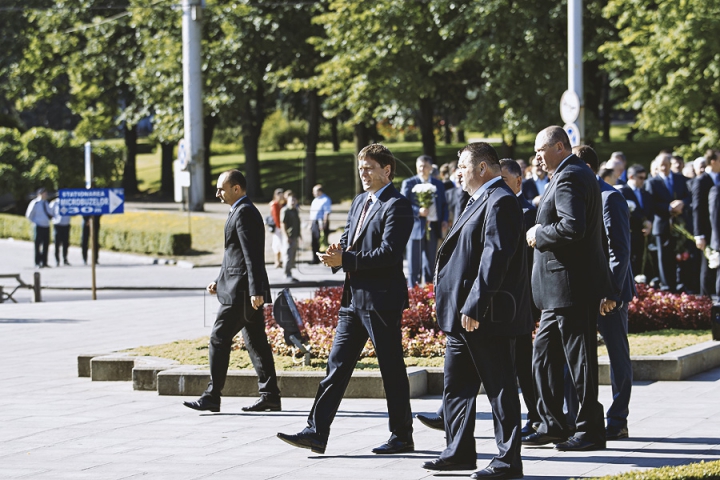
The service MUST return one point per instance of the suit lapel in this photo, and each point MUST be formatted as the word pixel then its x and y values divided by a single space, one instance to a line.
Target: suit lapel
pixel 457 226
pixel 230 222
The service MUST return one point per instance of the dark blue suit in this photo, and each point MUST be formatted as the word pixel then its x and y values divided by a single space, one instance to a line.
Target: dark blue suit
pixel 614 326
pixel 643 211
pixel 482 272
pixel 374 297
pixel 421 249
pixel 662 227
pixel 702 227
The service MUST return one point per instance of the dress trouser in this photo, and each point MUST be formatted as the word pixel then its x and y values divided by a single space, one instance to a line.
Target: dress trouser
pixel 667 264
pixel 472 358
pixel 42 243
pixel 231 319
pixel 354 327
pixel 62 240
pixel 315 239
pixel 523 367
pixel 614 328
pixel 421 258
pixel 568 336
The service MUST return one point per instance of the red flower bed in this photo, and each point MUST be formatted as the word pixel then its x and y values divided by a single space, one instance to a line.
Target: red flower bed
pixel 420 334
pixel 656 310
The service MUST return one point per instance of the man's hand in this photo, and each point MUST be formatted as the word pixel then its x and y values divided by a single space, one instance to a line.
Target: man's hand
pixel 469 324
pixel 423 212
pixel 257 301
pixel 606 306
pixel 212 288
pixel 536 200
pixel 676 207
pixel 700 243
pixel 530 236
pixel 333 258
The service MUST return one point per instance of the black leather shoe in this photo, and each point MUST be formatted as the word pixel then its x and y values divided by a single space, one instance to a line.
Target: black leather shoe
pixel 574 444
pixel 445 466
pixel 612 433
pixel 527 430
pixel 538 439
pixel 492 472
pixel 394 446
pixel 436 422
pixel 264 404
pixel 303 440
pixel 203 404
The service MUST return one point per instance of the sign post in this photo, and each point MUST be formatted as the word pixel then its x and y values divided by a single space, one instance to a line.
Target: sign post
pixel 92 202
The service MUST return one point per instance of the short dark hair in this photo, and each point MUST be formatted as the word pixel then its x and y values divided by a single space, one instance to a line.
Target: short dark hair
pixel 235 177
pixel 511 166
pixel 607 172
pixel 481 152
pixel 381 154
pixel 635 169
pixel 710 155
pixel 587 155
pixel 557 134
pixel 425 158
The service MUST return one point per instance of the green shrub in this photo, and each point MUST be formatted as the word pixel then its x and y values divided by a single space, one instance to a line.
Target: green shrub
pixel 278 132
pixel 685 472
pixel 227 136
pixel 119 237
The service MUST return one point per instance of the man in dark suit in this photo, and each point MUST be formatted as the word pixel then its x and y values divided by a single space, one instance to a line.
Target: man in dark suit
pixel 423 243
pixel 483 302
pixel 375 294
pixel 242 289
pixel 534 187
pixel 570 277
pixel 641 216
pixel 613 326
pixel 702 229
pixel 714 204
pixel 669 195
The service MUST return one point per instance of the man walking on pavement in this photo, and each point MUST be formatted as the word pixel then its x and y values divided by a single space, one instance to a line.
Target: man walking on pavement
pixel 242 288
pixel 38 212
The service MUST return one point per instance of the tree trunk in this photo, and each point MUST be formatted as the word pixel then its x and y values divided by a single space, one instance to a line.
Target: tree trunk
pixel 129 182
pixel 313 136
pixel 209 124
pixel 448 131
pixel 425 118
pixel 334 134
pixel 607 108
pixel 167 182
pixel 362 139
pixel 685 134
pixel 461 135
pixel 253 118
pixel 509 148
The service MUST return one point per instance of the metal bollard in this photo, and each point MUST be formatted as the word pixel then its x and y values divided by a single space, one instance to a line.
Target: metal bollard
pixel 36 288
pixel 2 295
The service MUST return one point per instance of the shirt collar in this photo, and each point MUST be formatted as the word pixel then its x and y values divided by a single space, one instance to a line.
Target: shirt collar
pixel 563 162
pixel 234 205
pixel 485 186
pixel 376 195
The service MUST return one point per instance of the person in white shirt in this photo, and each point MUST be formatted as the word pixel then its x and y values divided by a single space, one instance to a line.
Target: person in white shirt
pixel 319 219
pixel 38 212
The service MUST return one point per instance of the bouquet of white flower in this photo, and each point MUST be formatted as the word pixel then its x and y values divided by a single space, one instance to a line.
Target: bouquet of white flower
pixel 425 195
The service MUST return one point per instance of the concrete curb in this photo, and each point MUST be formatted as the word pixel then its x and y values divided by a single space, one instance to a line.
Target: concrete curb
pixel 169 378
pixel 672 366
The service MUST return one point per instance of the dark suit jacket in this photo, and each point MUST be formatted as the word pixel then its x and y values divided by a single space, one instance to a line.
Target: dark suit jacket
pixel 570 267
pixel 481 268
pixel 242 272
pixel 662 198
pixel 529 189
pixel 374 265
pixel 529 215
pixel 616 237
pixel 701 211
pixel 638 216
pixel 440 205
pixel 714 207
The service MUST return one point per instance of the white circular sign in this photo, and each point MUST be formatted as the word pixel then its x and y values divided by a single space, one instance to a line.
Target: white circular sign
pixel 573 132
pixel 182 155
pixel 569 106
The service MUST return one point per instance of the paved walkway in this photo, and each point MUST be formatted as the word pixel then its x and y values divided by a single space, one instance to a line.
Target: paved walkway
pixel 54 425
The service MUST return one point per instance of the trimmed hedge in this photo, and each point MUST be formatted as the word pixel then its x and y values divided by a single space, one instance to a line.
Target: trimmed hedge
pixel 685 472
pixel 112 237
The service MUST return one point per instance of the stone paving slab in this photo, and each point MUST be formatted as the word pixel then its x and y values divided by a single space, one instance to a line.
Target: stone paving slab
pixel 55 425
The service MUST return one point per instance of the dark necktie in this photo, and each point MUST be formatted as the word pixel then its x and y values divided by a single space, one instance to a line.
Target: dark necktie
pixel 467 207
pixel 638 195
pixel 362 218
pixel 669 183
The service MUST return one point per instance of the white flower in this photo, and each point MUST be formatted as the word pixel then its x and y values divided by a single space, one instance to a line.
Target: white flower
pixel 631 206
pixel 714 259
pixel 424 188
pixel 640 279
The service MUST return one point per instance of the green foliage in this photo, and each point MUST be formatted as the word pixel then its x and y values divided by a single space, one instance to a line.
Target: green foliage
pixel 693 471
pixel 667 57
pixel 279 132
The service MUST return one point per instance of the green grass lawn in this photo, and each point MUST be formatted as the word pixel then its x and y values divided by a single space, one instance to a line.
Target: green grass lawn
pixel 336 170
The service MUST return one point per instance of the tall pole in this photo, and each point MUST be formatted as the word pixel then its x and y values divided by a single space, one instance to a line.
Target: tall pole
pixel 89 177
pixel 575 64
pixel 192 101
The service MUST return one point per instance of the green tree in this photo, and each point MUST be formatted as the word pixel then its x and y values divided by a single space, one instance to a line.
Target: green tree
pixel 667 57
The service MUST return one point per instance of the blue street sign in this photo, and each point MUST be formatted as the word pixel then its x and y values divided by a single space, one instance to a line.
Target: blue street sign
pixel 91 201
